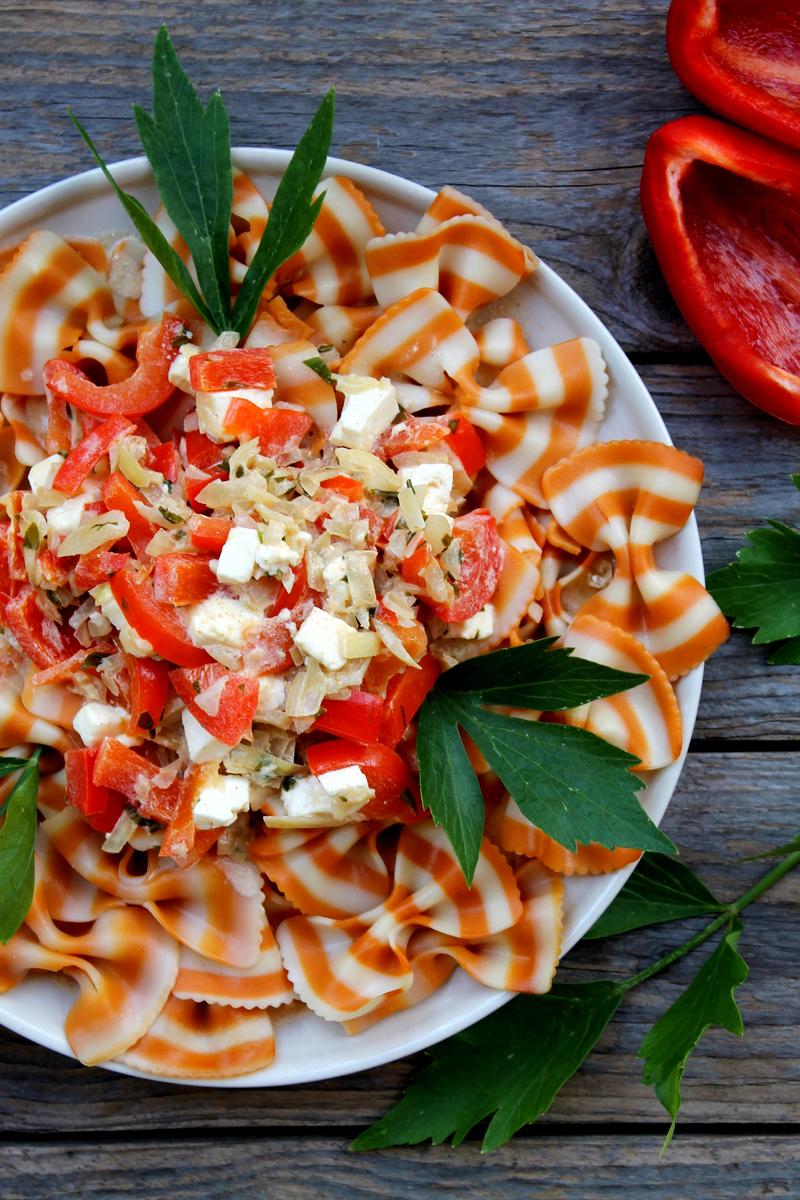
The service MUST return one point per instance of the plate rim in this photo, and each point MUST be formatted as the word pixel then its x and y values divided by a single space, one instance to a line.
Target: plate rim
pixel 132 172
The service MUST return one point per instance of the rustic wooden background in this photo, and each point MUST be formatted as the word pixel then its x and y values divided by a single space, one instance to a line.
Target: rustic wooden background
pixel 541 111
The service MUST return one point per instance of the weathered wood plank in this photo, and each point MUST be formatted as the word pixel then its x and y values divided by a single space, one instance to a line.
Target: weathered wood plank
pixel 561 166
pixel 550 1167
pixel 756 1079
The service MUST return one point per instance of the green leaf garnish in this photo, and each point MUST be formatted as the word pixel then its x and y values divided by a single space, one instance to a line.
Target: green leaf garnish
pixel 511 1066
pixel 761 590
pixel 189 148
pixel 17 842
pixel 660 889
pixel 707 1001
pixel 573 785
pixel 292 215
pixel 321 367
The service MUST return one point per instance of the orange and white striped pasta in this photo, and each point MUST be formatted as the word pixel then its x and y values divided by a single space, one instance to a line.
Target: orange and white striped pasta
pixel 344 969
pixel 470 260
pixel 341 325
pixel 626 497
pixel 300 384
pixel 330 266
pixel 515 834
pixel 501 342
pixel 264 985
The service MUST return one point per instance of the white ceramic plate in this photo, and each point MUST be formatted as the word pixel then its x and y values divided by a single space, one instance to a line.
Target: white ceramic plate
pixel 550 311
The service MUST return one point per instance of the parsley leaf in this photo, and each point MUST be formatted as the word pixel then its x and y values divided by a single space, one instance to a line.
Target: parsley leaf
pixel 321 368
pixel 292 214
pixel 660 889
pixel 707 1001
pixel 761 590
pixel 189 148
pixel 511 1066
pixel 570 783
pixel 17 842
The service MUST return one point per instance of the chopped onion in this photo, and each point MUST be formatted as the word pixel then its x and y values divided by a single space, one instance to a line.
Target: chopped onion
pixel 410 508
pixel 225 493
pixel 366 467
pixel 258 765
pixel 438 531
pixel 361 645
pixel 107 528
pixel 122 831
pixel 133 470
pixel 360 565
pixel 306 692
pixel 393 644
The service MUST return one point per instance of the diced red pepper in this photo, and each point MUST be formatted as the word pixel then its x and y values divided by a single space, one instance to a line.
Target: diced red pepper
pixel 277 429
pixel 465 441
pixel 141 392
pixel 79 661
pixel 119 493
pixel 164 458
pixel 194 486
pixel 297 594
pixel 44 642
pixel 423 433
pixel 149 688
pixel 359 717
pixel 183 579
pixel 131 774
pixel 97 567
pixel 271 647
pixel 223 370
pixel 238 702
pixel 721 207
pixel 413 566
pixel 740 58
pixel 156 622
pixel 101 806
pixel 55 569
pixel 209 533
pixel 481 564
pixel 58 438
pixel 201 451
pixel 81 461
pixel 182 840
pixel 404 696
pixel 345 486
pixel 385 770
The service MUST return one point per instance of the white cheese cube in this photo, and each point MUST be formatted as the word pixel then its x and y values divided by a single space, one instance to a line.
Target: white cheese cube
pixel 201 745
pixel 211 410
pixel 221 620
pixel 480 625
pixel 42 474
pixel 94 721
pixel 237 559
pixel 306 799
pixel 370 406
pixel 221 803
pixel 271 696
pixel 179 369
pixel 324 637
pixel 349 784
pixel 276 557
pixel 304 796
pixel 432 483
pixel 65 517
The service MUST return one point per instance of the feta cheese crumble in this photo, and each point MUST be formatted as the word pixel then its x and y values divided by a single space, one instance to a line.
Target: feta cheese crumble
pixel 94 721
pixel 220 803
pixel 480 625
pixel 201 745
pixel 432 483
pixel 370 406
pixel 324 638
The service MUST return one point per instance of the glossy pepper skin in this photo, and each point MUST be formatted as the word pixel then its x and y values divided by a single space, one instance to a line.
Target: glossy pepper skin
pixel 740 58
pixel 722 208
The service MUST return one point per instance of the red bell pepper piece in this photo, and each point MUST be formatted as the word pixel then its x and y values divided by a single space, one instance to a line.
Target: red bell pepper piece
pixel 404 696
pixel 149 687
pixel 183 579
pixel 156 622
pixel 297 594
pixel 101 806
pixel 131 774
pixel 345 486
pixel 385 770
pixel 721 207
pixel 79 661
pixel 481 563
pixel 359 717
pixel 277 429
pixel 422 433
pixel 223 370
pixel 238 702
pixel 97 567
pixel 740 58
pixel 44 642
pixel 415 564
pixel 209 533
pixel 81 461
pixel 193 487
pixel 141 392
pixel 58 438
pixel 201 451
pixel 164 458
pixel 182 840
pixel 120 494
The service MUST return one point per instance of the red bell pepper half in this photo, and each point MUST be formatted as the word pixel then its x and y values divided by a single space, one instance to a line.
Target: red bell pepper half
pixel 146 389
pixel 723 211
pixel 740 58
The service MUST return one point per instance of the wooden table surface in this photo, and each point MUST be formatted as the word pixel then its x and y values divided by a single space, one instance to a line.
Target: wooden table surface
pixel 540 111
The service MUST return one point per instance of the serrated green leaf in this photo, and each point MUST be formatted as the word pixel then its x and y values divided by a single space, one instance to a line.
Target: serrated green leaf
pixel 292 214
pixel 449 786
pixel 708 1001
pixel 17 843
pixel 660 889
pixel 149 232
pixel 761 590
pixel 537 676
pixel 510 1066
pixel 787 654
pixel 189 149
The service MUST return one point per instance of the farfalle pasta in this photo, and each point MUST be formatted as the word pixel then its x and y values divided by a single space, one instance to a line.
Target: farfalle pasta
pixel 238 564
